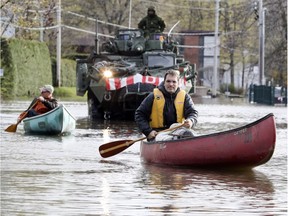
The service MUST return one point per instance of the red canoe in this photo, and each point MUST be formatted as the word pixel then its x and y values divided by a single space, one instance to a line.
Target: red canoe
pixel 244 147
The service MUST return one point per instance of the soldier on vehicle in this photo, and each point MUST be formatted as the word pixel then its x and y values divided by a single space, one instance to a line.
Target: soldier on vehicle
pixel 151 23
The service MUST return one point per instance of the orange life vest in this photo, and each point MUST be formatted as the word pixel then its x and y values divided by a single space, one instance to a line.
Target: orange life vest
pixel 40 108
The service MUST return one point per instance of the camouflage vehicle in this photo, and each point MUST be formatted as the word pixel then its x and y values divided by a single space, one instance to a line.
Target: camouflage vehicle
pixel 117 78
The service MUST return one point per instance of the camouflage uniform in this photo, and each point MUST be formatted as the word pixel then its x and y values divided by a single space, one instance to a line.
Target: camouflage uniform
pixel 151 23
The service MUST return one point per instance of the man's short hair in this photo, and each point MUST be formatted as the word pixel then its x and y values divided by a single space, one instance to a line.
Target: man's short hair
pixel 172 72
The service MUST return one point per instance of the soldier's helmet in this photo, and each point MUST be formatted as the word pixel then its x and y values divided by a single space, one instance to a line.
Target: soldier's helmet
pixel 151 8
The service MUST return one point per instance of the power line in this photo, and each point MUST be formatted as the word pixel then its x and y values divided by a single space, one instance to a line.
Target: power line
pixel 178 6
pixel 30 28
pixel 86 31
pixel 93 19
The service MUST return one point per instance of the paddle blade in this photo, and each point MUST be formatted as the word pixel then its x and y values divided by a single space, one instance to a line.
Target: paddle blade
pixel 11 128
pixel 113 148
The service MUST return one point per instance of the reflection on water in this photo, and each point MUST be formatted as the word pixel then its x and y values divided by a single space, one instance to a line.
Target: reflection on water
pixel 180 178
pixel 87 123
pixel 205 189
pixel 65 175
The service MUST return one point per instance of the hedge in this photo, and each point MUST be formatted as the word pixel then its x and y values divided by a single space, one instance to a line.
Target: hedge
pixel 27 66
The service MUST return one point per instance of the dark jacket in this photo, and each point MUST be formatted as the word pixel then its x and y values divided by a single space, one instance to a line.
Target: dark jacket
pixel 143 112
pixel 152 24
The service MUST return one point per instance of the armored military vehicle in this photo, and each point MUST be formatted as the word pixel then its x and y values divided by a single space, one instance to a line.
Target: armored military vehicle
pixel 126 69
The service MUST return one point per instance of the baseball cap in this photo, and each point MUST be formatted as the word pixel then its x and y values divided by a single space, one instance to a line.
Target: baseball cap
pixel 48 88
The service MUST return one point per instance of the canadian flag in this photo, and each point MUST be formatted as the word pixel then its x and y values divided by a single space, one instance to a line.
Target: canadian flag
pixel 117 83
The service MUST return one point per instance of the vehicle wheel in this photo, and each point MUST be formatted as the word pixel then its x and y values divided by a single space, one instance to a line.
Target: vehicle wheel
pixel 94 109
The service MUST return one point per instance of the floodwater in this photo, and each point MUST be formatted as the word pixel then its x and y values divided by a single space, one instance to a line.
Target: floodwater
pixel 65 175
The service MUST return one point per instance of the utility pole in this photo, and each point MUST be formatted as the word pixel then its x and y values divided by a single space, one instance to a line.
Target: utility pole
pixel 96 50
pixel 215 74
pixel 58 72
pixel 41 30
pixel 41 39
pixel 130 8
pixel 261 42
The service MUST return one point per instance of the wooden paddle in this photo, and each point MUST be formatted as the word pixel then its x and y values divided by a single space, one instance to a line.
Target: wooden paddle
pixel 13 127
pixel 115 147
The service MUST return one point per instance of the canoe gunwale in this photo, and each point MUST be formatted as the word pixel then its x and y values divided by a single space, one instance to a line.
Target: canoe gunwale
pixel 214 134
pixel 48 113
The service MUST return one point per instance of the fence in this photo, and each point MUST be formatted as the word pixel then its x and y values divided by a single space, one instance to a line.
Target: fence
pixel 269 95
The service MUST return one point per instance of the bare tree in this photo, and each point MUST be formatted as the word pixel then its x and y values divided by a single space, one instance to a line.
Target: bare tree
pixel 276 41
pixel 237 26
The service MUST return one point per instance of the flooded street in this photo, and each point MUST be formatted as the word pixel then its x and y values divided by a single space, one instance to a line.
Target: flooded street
pixel 66 176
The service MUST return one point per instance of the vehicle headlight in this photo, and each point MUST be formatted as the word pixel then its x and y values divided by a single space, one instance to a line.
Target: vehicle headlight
pixel 107 73
pixel 139 48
